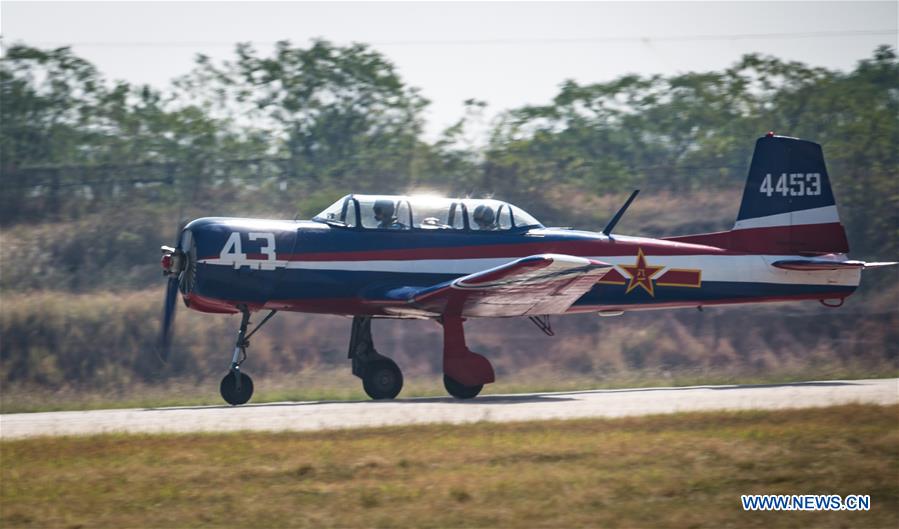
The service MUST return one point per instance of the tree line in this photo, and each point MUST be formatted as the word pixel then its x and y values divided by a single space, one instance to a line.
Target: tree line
pixel 337 117
pixel 95 174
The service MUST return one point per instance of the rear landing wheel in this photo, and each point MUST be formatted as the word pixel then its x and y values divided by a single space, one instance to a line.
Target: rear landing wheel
pixel 382 380
pixel 459 390
pixel 233 394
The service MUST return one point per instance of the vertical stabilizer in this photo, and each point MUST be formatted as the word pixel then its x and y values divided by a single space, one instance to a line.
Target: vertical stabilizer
pixel 788 206
pixel 789 199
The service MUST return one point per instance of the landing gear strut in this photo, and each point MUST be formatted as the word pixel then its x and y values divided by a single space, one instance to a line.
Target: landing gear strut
pixel 381 378
pixel 464 372
pixel 237 387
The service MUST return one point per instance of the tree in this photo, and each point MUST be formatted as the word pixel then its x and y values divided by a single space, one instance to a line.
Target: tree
pixel 59 113
pixel 46 100
pixel 336 112
pixel 695 131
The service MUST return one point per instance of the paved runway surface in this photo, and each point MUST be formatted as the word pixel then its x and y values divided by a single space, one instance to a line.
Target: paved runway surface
pixel 297 416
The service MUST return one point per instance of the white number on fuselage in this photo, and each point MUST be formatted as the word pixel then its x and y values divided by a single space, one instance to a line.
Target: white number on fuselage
pixel 268 250
pixel 233 252
pixel 794 185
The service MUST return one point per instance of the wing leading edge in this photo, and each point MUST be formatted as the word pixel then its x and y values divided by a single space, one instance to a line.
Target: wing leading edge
pixel 534 285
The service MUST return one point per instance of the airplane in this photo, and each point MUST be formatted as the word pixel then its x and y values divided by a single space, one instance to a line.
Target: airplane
pixel 450 259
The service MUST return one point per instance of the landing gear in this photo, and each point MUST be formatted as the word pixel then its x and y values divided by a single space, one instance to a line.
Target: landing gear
pixel 459 390
pixel 381 378
pixel 464 372
pixel 237 387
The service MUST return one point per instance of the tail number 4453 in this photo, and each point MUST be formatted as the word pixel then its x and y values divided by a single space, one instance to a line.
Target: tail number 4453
pixel 233 252
pixel 793 184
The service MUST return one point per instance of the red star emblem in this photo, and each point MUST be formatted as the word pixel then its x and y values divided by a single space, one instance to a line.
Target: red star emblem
pixel 641 274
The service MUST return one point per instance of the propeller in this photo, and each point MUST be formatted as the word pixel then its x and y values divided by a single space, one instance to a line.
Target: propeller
pixel 174 262
pixel 168 318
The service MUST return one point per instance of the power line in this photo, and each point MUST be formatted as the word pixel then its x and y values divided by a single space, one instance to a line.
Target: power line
pixel 508 41
pixel 647 39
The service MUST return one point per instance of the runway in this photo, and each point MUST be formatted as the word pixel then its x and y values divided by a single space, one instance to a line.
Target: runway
pixel 306 416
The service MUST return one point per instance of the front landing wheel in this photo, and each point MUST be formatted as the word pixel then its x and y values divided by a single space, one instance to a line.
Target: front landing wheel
pixel 459 390
pixel 236 394
pixel 382 380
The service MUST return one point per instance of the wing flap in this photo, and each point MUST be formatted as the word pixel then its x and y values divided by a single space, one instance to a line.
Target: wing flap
pixel 534 285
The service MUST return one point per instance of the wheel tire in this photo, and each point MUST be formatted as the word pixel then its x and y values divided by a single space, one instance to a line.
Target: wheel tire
pixel 231 394
pixel 382 380
pixel 459 390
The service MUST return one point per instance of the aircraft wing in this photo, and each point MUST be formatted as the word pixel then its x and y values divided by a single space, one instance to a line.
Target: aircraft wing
pixel 534 285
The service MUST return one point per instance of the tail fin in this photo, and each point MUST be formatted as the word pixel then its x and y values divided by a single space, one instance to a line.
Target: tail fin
pixel 788 205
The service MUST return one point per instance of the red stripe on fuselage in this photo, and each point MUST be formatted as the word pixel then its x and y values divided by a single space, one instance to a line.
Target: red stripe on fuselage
pixel 677 277
pixel 777 240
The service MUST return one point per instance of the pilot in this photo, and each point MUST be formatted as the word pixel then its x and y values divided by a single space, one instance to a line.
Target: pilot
pixel 384 210
pixel 484 217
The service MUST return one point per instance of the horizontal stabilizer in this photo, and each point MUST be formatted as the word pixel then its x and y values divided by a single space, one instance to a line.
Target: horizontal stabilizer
pixel 812 265
pixel 881 264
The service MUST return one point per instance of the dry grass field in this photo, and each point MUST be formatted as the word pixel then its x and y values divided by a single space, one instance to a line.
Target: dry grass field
pixel 673 471
pixel 95 350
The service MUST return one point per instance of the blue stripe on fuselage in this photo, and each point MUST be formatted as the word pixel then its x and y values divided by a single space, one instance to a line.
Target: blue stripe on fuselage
pixel 710 291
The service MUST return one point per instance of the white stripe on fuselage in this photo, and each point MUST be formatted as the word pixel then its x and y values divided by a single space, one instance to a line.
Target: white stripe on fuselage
pixel 736 268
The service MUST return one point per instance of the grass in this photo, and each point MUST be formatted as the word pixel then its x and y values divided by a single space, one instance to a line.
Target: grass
pixel 338 384
pixel 95 350
pixel 685 470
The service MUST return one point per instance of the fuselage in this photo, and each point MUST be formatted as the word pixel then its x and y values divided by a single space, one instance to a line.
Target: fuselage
pixel 450 259
pixel 309 266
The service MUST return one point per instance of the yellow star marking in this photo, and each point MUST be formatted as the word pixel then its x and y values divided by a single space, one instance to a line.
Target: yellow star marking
pixel 641 274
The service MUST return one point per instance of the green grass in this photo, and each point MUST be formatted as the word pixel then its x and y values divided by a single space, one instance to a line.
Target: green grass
pixel 672 471
pixel 339 384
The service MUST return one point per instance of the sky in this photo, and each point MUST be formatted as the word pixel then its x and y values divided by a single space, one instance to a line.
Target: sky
pixel 508 54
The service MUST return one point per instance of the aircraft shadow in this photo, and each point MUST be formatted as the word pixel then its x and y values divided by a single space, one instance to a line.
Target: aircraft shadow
pixel 716 388
pixel 510 399
pixel 486 399
pixel 822 383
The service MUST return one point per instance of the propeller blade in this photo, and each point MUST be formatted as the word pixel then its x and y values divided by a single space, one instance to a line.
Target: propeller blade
pixel 182 238
pixel 181 224
pixel 168 319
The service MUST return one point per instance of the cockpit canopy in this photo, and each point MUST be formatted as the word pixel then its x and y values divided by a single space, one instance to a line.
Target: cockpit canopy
pixel 425 213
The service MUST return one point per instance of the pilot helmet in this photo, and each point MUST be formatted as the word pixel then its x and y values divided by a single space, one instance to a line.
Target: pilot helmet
pixel 383 209
pixel 484 215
